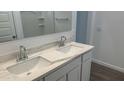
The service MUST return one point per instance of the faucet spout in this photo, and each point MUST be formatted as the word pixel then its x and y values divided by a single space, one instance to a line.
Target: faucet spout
pixel 62 41
pixel 22 54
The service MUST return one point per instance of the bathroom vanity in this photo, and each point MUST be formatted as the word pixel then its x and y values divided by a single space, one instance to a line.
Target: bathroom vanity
pixel 72 64
pixel 76 70
pixel 38 33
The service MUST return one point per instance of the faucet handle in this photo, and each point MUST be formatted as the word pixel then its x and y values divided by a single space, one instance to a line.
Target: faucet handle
pixel 22 47
pixel 63 37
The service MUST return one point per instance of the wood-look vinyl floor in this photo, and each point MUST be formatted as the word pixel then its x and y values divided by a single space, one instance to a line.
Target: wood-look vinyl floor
pixel 102 73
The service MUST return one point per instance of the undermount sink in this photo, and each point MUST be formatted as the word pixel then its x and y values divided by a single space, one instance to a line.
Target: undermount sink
pixel 69 49
pixel 27 65
pixel 61 53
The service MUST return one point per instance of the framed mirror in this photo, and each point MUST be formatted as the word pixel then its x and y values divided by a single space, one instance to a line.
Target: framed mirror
pixel 23 24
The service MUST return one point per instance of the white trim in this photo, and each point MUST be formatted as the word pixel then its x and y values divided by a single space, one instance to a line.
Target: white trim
pixel 12 23
pixel 74 23
pixel 108 65
pixel 90 27
pixel 18 24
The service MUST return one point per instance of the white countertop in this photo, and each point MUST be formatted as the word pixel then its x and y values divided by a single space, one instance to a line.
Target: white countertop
pixel 7 76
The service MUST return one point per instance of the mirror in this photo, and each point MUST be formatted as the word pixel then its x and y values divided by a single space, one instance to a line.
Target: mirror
pixel 33 23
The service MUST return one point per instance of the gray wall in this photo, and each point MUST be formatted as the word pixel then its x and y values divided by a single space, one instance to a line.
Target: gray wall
pixel 108 38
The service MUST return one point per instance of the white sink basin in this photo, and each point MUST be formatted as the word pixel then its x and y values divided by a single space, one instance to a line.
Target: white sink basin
pixel 61 53
pixel 70 49
pixel 27 65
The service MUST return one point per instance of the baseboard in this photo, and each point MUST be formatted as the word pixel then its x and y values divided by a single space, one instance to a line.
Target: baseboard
pixel 108 65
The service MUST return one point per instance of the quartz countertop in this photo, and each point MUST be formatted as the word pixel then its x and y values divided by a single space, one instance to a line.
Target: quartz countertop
pixel 39 72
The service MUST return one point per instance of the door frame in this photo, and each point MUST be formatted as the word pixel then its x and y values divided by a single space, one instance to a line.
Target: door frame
pixel 18 24
pixel 91 26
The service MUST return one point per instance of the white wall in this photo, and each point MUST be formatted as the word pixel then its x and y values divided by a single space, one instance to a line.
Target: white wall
pixel 108 36
pixel 9 47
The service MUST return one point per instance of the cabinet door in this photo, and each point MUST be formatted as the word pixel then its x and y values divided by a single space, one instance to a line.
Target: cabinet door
pixel 74 74
pixel 86 66
pixel 58 75
pixel 86 70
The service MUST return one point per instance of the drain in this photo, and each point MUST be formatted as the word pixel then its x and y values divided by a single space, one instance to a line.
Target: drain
pixel 28 73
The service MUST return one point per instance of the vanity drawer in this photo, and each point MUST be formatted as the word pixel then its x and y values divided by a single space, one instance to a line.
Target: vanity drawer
pixel 87 56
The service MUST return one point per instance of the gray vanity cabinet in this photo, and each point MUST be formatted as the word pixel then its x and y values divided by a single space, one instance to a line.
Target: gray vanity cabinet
pixel 78 69
pixel 85 66
pixel 69 72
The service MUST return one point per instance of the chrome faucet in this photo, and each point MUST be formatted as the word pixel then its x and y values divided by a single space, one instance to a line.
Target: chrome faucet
pixel 22 54
pixel 62 41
